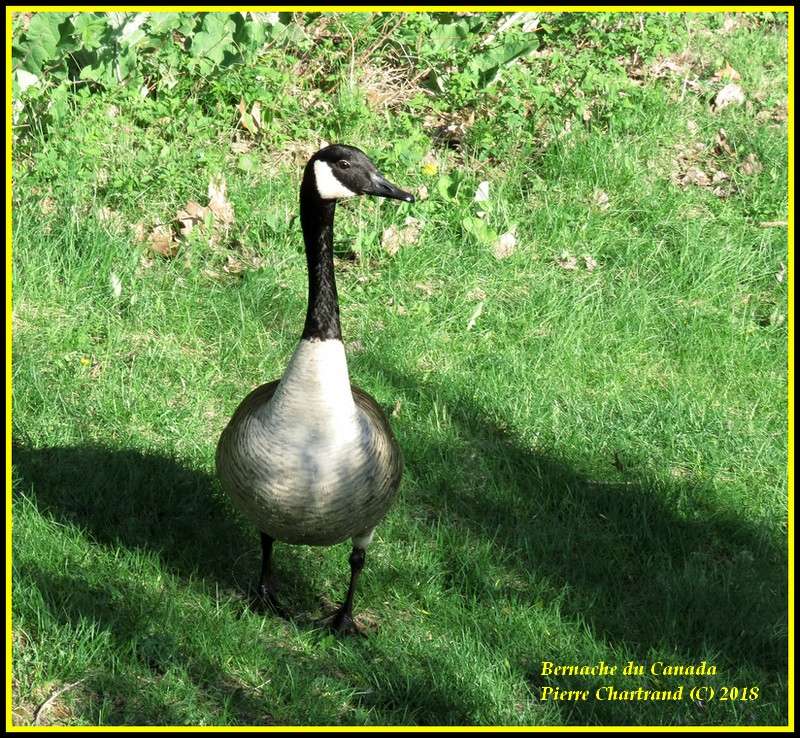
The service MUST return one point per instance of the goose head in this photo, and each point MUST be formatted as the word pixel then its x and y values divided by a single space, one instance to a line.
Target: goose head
pixel 340 171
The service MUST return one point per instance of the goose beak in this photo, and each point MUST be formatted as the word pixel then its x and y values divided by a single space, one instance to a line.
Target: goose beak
pixel 382 187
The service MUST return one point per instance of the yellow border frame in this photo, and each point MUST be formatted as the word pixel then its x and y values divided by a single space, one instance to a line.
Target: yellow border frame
pixel 789 9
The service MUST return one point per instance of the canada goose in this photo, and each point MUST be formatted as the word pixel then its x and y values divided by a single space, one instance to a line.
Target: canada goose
pixel 310 458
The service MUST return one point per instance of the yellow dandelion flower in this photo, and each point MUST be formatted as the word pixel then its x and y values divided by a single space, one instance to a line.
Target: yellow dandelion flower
pixel 430 168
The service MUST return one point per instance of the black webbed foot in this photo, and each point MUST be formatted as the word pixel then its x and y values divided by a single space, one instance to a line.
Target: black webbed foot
pixel 342 623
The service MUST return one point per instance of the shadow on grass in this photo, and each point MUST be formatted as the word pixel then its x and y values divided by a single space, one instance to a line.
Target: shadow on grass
pixel 637 572
pixel 653 565
pixel 129 614
pixel 128 498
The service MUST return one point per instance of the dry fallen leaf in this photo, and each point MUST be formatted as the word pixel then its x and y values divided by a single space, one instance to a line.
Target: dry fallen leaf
pixel 476 293
pixel 600 200
pixel 450 127
pixel 161 241
pixel 697 176
pixel 590 262
pixel 505 245
pixel 390 240
pixel 250 121
pixel 664 66
pixel 721 145
pixel 217 200
pixel 233 265
pixel 475 315
pixel 47 205
pixel 255 112
pixel 116 285
pixel 778 115
pixel 394 238
pixel 773 224
pixel 422 193
pixel 692 127
pixel 731 23
pixel 39 714
pixel 139 232
pixel 751 165
pixel 727 72
pixel 731 94
pixel 567 261
pixel 109 217
pixel 241 147
pixel 191 215
pixel 482 193
pixel 780 275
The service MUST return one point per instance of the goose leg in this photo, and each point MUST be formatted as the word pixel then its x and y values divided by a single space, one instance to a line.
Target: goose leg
pixel 266 588
pixel 342 622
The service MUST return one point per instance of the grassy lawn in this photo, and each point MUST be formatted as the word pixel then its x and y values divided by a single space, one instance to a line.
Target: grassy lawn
pixel 594 418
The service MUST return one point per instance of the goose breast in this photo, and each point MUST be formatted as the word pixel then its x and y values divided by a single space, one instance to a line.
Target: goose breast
pixel 309 477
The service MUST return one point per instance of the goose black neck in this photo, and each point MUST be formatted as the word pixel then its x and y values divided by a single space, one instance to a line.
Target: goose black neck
pixel 316 218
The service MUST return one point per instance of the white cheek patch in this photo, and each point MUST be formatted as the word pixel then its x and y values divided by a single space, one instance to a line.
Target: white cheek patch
pixel 328 186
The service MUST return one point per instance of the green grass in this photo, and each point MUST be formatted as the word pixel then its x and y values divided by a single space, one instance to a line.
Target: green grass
pixel 595 470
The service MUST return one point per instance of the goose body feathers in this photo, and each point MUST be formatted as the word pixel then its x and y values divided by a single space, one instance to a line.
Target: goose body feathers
pixel 311 459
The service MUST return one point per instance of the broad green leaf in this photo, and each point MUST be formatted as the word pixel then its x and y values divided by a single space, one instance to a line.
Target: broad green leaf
pixel 161 23
pixel 479 230
pixel 289 34
pixel 254 36
pixel 436 82
pixel 43 29
pixel 443 186
pixel 100 71
pixel 442 38
pixel 188 23
pixel 126 64
pixel 59 102
pixel 409 151
pixel 132 32
pixel 42 40
pixel 447 186
pixel 447 35
pixel 247 162
pixel 501 57
pixel 89 29
pixel 215 39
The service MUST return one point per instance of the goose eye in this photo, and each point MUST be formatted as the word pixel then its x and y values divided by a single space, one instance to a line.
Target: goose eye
pixel 344 164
